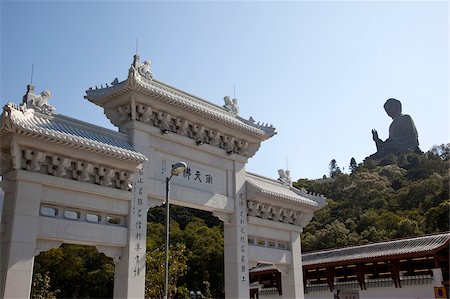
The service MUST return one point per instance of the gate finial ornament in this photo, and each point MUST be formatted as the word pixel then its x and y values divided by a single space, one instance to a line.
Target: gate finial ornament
pixel 231 105
pixel 38 103
pixel 285 177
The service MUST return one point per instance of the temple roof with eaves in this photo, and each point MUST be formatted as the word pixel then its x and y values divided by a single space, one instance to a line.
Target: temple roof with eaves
pixel 59 129
pixel 141 81
pixel 401 248
pixel 262 187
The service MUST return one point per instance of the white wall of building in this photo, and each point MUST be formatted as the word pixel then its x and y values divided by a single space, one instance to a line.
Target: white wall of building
pixel 405 292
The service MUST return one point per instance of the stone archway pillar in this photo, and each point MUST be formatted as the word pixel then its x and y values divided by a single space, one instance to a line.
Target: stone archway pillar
pixel 128 283
pixel 236 241
pixel 129 276
pixel 20 217
pixel 292 279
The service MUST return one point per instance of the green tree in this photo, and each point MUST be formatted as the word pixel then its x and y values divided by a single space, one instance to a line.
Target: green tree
pixel 203 238
pixel 206 263
pixel 437 218
pixel 334 168
pixel 77 271
pixel 41 288
pixel 353 166
pixel 154 276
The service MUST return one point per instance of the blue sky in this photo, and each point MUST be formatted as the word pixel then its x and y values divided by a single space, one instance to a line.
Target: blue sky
pixel 320 72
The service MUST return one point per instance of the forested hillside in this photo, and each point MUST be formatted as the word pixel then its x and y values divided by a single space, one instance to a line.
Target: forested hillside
pixel 400 196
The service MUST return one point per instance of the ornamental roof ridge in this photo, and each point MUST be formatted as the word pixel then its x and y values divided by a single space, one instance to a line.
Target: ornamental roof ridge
pixel 365 251
pixel 260 176
pixel 206 107
pixel 276 189
pixel 95 95
pixel 191 96
pixel 319 198
pixel 66 130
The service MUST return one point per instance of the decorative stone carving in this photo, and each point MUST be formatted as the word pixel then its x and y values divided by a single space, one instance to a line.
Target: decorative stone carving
pixel 182 126
pixel 39 103
pixel 144 69
pixel 287 216
pixel 285 177
pixel 297 218
pixel 253 209
pixel 231 105
pixel 242 147
pixel 124 181
pixel 83 171
pixel 198 134
pixel 228 144
pixel 34 159
pixel 48 163
pixel 144 113
pixel 125 113
pixel 104 176
pixel 214 138
pixel 276 213
pixel 59 166
pixel 16 155
pixel 164 122
pixel 266 211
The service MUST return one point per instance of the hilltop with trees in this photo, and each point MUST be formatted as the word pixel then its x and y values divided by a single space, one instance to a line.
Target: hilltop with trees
pixel 399 196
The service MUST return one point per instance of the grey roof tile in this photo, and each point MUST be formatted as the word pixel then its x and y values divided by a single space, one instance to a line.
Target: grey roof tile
pixel 66 130
pixel 274 188
pixel 383 249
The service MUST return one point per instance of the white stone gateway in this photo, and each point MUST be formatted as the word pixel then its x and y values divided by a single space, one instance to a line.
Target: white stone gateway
pixel 69 181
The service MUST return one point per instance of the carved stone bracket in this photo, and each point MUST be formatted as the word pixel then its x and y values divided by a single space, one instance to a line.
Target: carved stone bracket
pixel 83 171
pixel 33 159
pixel 168 123
pixel 65 167
pixel 277 213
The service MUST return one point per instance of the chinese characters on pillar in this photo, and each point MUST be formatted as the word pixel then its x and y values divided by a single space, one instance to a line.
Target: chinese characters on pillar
pixel 138 223
pixel 242 233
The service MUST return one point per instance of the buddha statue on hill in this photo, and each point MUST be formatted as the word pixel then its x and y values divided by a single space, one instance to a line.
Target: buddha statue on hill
pixel 403 135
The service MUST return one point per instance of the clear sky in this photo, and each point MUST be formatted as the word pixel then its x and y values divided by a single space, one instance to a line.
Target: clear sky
pixel 320 72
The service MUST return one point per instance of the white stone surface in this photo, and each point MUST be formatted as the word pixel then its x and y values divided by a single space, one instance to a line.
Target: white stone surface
pixel 269 255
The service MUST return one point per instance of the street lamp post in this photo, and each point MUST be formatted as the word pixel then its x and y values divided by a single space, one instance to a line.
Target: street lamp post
pixel 177 168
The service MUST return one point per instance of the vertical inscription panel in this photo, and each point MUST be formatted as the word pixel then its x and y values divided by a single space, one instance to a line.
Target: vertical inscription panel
pixel 241 212
pixel 138 224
